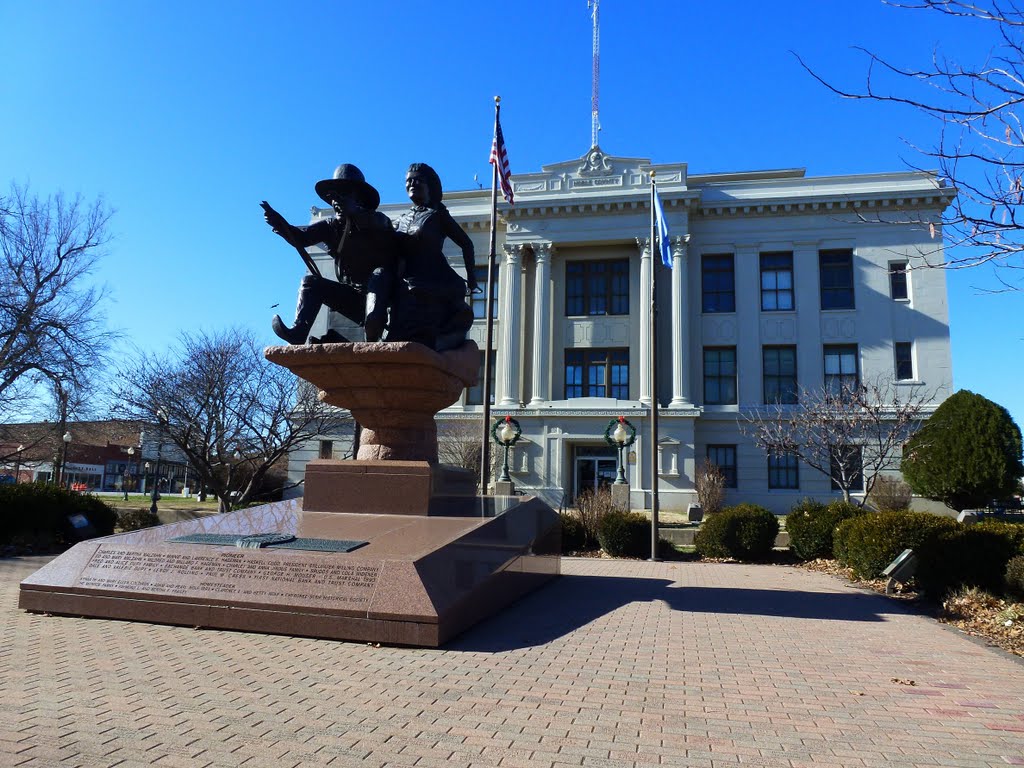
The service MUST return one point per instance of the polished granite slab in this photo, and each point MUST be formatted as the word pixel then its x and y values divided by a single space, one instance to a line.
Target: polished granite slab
pixel 419 579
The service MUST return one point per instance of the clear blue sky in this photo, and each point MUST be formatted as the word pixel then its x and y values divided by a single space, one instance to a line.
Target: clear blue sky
pixel 185 115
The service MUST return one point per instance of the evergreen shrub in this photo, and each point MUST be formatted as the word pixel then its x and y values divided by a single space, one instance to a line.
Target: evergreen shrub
pixel 574 536
pixel 811 523
pixel 36 515
pixel 1014 578
pixel 743 532
pixel 136 519
pixel 868 543
pixel 624 534
pixel 965 556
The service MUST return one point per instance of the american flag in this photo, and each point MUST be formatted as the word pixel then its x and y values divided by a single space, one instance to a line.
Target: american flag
pixel 499 158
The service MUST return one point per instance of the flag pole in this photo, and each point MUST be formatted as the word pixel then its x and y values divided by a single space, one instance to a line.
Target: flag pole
pixel 654 376
pixel 485 444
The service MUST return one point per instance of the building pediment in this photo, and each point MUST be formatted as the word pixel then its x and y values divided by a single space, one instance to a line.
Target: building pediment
pixel 597 174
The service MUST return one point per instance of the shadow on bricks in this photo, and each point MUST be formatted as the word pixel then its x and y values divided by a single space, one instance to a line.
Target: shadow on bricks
pixel 572 602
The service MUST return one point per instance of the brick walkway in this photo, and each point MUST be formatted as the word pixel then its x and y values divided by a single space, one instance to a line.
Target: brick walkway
pixel 618 663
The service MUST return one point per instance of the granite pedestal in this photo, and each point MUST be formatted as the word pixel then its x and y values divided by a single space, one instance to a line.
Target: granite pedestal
pixel 425 557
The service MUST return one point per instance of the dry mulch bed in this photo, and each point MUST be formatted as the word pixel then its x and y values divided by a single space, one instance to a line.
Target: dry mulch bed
pixel 998 621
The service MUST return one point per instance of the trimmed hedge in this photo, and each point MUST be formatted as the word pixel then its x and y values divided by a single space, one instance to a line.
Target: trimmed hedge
pixel 574 535
pixel 811 525
pixel 36 515
pixel 1014 578
pixel 624 534
pixel 868 543
pixel 743 532
pixel 136 519
pixel 968 556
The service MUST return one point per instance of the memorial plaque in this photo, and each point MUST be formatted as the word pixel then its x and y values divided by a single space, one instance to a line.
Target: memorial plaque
pixel 252 576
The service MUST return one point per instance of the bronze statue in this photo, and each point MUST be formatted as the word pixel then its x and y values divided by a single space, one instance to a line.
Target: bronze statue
pixel 362 241
pixel 429 304
pixel 395 281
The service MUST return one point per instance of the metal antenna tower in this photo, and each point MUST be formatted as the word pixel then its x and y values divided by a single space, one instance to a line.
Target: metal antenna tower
pixel 595 122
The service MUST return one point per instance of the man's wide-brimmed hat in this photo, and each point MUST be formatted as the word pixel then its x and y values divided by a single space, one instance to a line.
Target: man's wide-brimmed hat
pixel 348 178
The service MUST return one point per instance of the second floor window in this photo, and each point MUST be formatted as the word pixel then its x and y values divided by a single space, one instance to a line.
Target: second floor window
pixel 779 373
pixel 898 281
pixel 835 269
pixel 597 287
pixel 475 394
pixel 776 281
pixel 720 375
pixel 597 373
pixel 841 373
pixel 718 283
pixel 904 361
pixel 480 299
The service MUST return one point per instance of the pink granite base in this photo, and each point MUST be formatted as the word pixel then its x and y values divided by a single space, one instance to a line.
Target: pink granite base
pixel 393 389
pixel 420 580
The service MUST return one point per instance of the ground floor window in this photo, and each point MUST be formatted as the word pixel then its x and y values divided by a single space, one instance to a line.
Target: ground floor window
pixel 724 457
pixel 783 471
pixel 847 462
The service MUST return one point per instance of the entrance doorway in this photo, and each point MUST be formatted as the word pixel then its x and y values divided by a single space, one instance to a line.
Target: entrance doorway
pixel 595 468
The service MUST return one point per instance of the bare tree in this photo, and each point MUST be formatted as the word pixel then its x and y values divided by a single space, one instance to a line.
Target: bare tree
pixel 458 443
pixel 849 435
pixel 231 412
pixel 980 146
pixel 52 327
pixel 710 487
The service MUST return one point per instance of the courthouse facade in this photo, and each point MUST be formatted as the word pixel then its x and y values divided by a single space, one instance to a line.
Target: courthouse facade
pixel 779 282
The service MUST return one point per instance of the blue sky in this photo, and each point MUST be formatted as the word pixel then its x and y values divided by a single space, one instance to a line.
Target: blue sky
pixel 185 115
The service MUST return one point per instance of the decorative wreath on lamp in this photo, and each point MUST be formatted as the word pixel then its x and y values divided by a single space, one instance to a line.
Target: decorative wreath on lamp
pixel 614 426
pixel 502 429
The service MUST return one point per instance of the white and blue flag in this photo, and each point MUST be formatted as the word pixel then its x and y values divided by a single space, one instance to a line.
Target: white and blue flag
pixel 662 228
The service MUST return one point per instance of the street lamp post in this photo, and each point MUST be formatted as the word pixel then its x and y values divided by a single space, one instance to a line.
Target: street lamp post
pixel 156 479
pixel 64 461
pixel 505 433
pixel 620 434
pixel 128 472
pixel 17 463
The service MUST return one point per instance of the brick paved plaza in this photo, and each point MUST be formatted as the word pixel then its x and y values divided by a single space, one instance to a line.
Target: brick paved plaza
pixel 618 663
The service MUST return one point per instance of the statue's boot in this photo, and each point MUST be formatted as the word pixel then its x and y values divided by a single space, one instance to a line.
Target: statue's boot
pixel 378 291
pixel 306 309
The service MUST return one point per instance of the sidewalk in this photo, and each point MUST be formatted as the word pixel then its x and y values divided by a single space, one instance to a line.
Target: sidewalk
pixel 618 663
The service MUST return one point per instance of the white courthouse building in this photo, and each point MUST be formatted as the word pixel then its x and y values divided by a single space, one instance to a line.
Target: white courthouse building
pixel 778 281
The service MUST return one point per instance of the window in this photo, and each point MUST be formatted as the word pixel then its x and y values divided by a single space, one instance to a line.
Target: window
pixel 597 287
pixel 898 280
pixel 783 471
pixel 719 375
pixel 846 463
pixel 835 270
pixel 776 281
pixel 724 457
pixel 597 373
pixel 841 368
pixel 475 394
pixel 480 299
pixel 904 361
pixel 717 281
pixel 779 374
pixel 326 449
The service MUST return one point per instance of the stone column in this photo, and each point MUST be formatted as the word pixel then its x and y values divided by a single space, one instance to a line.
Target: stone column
pixel 680 325
pixel 645 319
pixel 542 324
pixel 511 327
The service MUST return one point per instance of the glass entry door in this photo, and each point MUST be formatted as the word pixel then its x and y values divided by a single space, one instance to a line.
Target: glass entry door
pixel 595 468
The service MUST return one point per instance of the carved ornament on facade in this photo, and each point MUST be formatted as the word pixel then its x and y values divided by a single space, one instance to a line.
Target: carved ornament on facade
pixel 596 163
